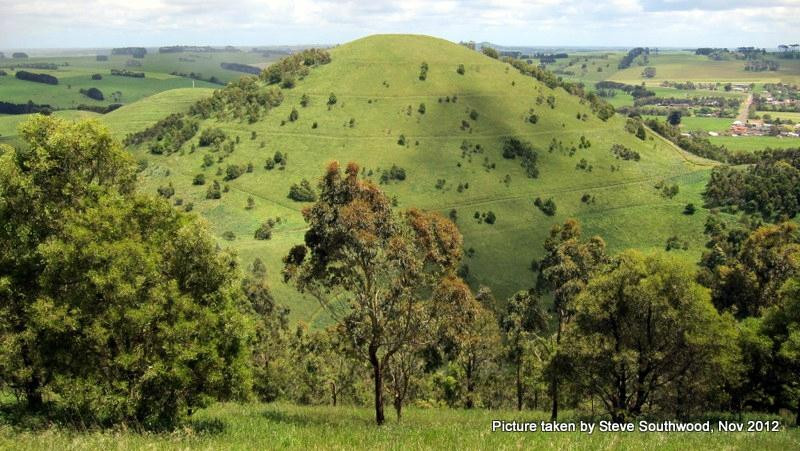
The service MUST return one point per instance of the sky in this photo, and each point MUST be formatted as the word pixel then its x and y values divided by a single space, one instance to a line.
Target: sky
pixel 29 24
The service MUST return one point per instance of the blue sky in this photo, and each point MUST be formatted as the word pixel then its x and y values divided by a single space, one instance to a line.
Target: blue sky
pixel 626 23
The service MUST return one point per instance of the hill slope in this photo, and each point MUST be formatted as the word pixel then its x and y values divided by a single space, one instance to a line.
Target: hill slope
pixel 376 81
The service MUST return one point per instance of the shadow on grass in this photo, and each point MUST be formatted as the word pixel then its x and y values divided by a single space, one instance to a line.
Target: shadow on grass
pixel 20 418
pixel 212 426
pixel 329 418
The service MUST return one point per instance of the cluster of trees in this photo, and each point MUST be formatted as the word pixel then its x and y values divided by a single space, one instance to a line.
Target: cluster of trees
pixel 166 136
pixel 423 71
pixel 196 49
pixel 302 192
pixel 25 108
pixel 547 206
pixel 770 187
pixel 99 108
pixel 127 73
pixel 600 107
pixel 761 65
pixel 624 152
pixel 637 91
pixel 288 70
pixel 136 52
pixel 632 54
pixel 242 99
pixel 198 76
pixel 238 67
pixel 394 173
pixel 514 147
pixel 38 78
pixel 19 55
pixel 93 93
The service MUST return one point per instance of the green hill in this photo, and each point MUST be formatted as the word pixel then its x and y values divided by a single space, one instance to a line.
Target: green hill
pixel 376 81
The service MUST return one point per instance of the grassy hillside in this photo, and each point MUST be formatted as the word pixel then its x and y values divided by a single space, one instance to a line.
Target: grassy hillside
pixel 144 113
pixel 376 81
pixel 282 426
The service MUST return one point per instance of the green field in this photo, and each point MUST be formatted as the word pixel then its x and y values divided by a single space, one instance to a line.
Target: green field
pixel 795 117
pixel 751 143
pixel 156 66
pixel 284 426
pixel 376 82
pixel 686 66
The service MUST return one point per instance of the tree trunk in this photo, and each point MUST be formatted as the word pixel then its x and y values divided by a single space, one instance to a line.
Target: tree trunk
pixel 519 388
pixel 333 393
pixel 554 394
pixel 33 394
pixel 797 419
pixel 378 379
pixel 398 407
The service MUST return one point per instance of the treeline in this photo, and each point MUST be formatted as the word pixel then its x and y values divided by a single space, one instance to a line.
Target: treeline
pixel 697 145
pixel 167 135
pixel 237 67
pixel 24 108
pixel 98 108
pixel 38 78
pixel 292 68
pixel 637 91
pixel 127 73
pixel 136 52
pixel 761 66
pixel 42 66
pixel 240 99
pixel 720 102
pixel 196 49
pixel 632 54
pixel 198 76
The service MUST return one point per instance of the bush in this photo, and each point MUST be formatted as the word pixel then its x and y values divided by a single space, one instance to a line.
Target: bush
pixel 332 99
pixel 166 191
pixel 214 191
pixel 490 52
pixel 211 136
pixel 234 171
pixel 547 207
pixel 460 70
pixel 93 93
pixel 199 179
pixel 302 192
pixel 97 77
pixel 264 231
pixel 513 147
pixel 689 209
pixel 229 236
pixel 293 115
pixel 490 217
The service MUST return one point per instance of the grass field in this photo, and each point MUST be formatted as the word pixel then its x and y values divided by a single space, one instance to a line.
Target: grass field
pixel 751 143
pixel 284 426
pixel 781 115
pixel 376 83
pixel 686 66
pixel 157 68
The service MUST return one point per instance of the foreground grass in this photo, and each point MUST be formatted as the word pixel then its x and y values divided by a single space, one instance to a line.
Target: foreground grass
pixel 260 426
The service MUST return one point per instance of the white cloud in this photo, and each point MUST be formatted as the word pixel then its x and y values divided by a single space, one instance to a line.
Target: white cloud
pixel 88 23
